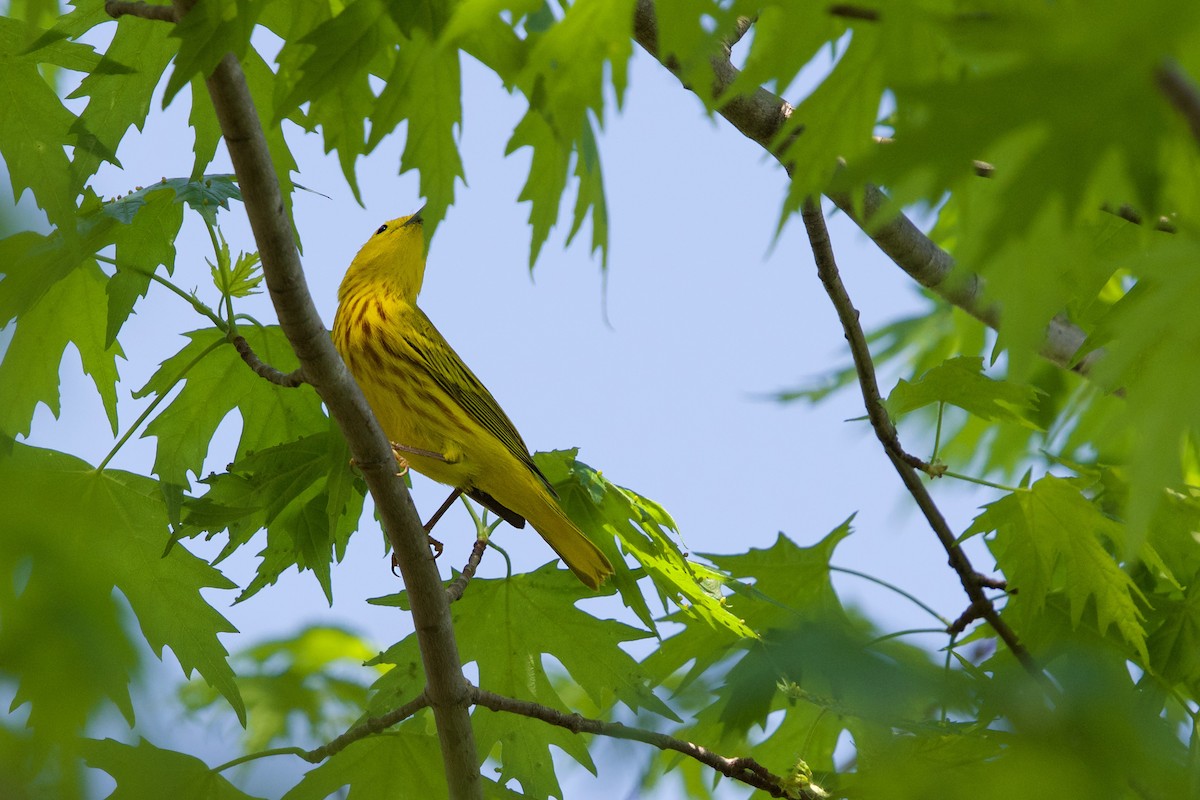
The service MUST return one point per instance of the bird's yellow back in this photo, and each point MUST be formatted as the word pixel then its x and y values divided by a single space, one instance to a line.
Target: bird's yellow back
pixel 427 400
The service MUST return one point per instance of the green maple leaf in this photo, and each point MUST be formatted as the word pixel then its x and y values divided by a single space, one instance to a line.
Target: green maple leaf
pixel 425 90
pixel 605 510
pixel 207 32
pixel 118 95
pixel 587 647
pixel 590 194
pixel 1174 646
pixel 302 492
pixel 71 311
pixel 547 175
pixel 144 243
pixel 144 770
pixel 507 627
pixel 789 582
pixel 477 28
pixel 214 385
pixel 787 36
pixel 115 528
pixel 315 675
pixel 332 78
pixel 563 77
pixel 381 767
pixel 37 126
pixel 960 382
pixel 1146 337
pixel 239 278
pixel 1051 538
pixel 567 62
pixel 691 34
pixel 261 80
pixel 834 122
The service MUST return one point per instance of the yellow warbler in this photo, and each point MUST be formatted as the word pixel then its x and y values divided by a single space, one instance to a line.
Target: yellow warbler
pixel 446 424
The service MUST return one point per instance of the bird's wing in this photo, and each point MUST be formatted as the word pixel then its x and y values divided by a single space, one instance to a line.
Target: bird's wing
pixel 456 378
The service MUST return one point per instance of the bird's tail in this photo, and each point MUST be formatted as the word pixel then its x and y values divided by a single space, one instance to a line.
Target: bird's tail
pixel 583 557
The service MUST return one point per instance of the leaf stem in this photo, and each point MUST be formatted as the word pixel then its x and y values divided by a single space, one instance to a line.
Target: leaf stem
pixel 937 436
pixel 915 600
pixel 276 751
pixel 907 632
pixel 980 481
pixel 154 404
pixel 220 249
pixel 154 276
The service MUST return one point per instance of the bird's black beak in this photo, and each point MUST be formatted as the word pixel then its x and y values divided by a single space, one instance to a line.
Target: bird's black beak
pixel 416 218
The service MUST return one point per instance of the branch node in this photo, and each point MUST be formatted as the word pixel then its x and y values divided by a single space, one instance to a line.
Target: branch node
pixel 975 611
pixel 263 370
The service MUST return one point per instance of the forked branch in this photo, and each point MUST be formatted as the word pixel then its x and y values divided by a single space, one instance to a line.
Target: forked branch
pixel 972 582
pixel 288 380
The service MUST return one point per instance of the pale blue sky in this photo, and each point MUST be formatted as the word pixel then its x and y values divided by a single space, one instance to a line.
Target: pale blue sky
pixel 704 317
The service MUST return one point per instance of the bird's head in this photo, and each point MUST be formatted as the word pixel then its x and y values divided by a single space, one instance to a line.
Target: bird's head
pixel 394 255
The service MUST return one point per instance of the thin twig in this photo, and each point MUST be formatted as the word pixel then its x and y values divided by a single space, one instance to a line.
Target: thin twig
pixel 119 8
pixel 288 380
pixel 1181 92
pixel 818 236
pixel 746 770
pixel 456 589
pixel 367 728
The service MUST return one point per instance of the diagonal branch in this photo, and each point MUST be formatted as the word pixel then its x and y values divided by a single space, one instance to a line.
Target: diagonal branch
pixel 447 688
pixel 367 728
pixel 761 116
pixel 972 582
pixel 746 770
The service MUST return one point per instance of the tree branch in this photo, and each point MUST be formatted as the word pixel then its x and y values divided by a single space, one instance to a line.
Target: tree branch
pixel 263 370
pixel 746 770
pixel 367 728
pixel 447 689
pixel 760 117
pixel 972 582
pixel 455 590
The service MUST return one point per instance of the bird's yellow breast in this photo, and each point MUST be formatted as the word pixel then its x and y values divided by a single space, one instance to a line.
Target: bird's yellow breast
pixel 383 341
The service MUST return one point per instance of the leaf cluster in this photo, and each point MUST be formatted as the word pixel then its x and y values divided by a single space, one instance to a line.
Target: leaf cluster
pixel 1013 124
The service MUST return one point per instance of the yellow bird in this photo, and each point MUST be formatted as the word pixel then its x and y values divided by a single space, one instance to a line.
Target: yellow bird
pixel 439 416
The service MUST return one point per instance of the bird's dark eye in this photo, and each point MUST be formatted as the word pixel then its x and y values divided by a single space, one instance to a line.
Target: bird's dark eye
pixel 382 228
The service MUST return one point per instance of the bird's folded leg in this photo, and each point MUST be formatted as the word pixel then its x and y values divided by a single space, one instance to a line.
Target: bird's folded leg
pixel 417 451
pixel 434 543
pixel 438 515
